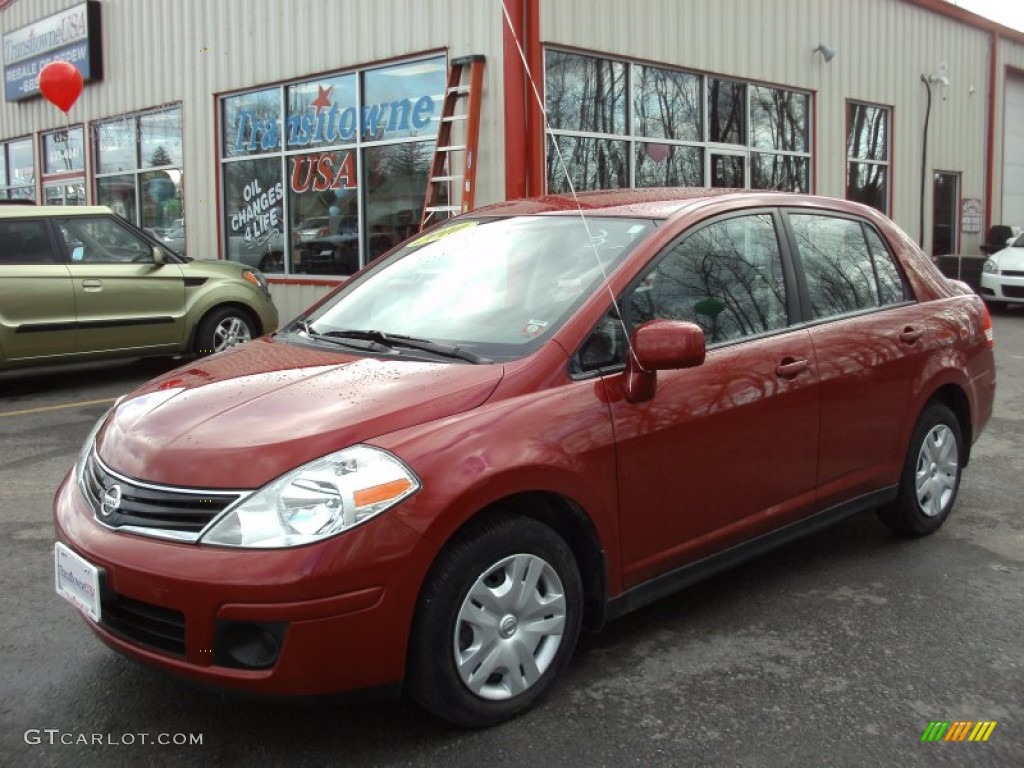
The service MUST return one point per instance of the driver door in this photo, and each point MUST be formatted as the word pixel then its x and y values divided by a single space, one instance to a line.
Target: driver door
pixel 124 300
pixel 727 450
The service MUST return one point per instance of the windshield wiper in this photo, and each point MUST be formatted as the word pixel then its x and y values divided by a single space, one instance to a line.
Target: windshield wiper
pixel 394 340
pixel 333 338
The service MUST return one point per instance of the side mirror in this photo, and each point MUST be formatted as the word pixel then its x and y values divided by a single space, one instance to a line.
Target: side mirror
pixel 661 345
pixel 78 253
pixel 158 256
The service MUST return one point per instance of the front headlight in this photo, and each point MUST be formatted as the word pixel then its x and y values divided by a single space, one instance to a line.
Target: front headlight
pixel 256 278
pixel 990 267
pixel 317 500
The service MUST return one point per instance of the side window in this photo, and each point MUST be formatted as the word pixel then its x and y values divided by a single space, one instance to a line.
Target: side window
pixel 892 288
pixel 103 240
pixel 726 277
pixel 25 242
pixel 837 264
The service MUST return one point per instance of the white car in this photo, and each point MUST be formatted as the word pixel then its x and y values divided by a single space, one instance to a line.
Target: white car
pixel 1002 276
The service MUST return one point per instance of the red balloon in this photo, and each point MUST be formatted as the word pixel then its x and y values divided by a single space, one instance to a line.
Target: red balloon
pixel 61 84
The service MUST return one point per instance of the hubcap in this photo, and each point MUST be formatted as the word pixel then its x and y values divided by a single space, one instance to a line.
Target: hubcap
pixel 230 331
pixel 935 480
pixel 509 627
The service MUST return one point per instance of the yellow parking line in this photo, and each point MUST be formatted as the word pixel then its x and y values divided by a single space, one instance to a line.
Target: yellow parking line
pixel 62 406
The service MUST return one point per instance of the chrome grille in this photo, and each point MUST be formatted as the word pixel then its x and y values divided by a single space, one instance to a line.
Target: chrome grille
pixel 149 509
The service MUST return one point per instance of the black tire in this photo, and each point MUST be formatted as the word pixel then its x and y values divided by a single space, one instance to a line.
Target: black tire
pixel 272 262
pixel 222 328
pixel 934 460
pixel 440 632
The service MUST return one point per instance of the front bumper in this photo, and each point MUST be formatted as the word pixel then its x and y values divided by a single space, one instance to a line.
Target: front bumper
pixel 342 608
pixel 1003 286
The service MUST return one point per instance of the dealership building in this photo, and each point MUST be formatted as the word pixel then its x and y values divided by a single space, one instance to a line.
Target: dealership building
pixel 300 136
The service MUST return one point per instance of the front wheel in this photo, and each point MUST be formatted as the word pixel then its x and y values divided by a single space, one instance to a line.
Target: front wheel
pixel 496 623
pixel 223 328
pixel 931 475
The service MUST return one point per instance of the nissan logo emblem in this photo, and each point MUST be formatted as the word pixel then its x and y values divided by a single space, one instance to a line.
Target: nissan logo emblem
pixel 111 501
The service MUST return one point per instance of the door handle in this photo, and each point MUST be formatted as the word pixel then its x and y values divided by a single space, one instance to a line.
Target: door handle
pixel 911 334
pixel 790 368
pixel 92 285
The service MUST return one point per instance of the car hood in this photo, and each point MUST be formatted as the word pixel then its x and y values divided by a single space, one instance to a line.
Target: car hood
pixel 1009 258
pixel 244 417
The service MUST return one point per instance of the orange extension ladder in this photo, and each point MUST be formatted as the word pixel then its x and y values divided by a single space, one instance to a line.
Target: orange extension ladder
pixel 440 203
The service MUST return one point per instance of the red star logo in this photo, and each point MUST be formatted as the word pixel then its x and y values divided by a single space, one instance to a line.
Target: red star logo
pixel 324 99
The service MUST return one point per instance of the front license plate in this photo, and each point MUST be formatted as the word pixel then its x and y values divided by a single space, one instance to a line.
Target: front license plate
pixel 78 581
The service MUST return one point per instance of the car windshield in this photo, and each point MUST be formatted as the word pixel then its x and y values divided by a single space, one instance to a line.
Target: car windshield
pixel 495 287
pixel 1019 242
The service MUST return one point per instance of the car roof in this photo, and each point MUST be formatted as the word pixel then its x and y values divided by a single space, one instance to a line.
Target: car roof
pixel 17 211
pixel 656 202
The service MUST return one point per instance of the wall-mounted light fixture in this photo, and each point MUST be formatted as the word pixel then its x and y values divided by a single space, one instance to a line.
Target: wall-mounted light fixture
pixel 827 52
pixel 941 78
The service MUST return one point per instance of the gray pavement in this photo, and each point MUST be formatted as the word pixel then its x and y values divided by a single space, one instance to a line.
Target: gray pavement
pixel 837 650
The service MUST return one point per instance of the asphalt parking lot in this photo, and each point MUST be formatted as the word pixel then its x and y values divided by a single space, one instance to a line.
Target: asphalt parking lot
pixel 837 650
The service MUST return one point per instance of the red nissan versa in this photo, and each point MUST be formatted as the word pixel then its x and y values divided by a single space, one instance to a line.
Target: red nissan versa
pixel 524 422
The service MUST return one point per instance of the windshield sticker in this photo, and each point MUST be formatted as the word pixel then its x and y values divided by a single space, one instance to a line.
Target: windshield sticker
pixel 535 328
pixel 439 234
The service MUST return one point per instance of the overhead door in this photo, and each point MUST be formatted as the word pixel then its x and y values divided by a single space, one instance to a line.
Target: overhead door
pixel 1013 153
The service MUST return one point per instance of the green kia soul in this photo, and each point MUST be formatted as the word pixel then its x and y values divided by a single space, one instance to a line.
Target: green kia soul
pixel 79 283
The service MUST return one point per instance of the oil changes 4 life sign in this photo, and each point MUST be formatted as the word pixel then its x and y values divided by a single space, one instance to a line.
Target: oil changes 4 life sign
pixel 72 35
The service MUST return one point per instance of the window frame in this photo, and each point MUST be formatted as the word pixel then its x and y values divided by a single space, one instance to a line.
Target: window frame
pixel 358 146
pixel 806 313
pixel 886 163
pixel 620 314
pixel 140 168
pixel 636 142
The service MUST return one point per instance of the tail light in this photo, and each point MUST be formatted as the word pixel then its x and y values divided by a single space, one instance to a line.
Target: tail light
pixel 986 326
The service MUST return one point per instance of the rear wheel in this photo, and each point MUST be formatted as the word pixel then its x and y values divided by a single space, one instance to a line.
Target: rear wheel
pixel 223 328
pixel 497 622
pixel 931 475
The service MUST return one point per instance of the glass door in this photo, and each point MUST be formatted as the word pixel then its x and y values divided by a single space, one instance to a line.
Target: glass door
pixel 945 213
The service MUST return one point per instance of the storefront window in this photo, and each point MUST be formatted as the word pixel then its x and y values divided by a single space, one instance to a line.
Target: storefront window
pixel 322 113
pixel 160 139
pixel 63 152
pixel 779 126
pixel 867 144
pixel 18 181
pixel 399 101
pixel 620 124
pixel 585 93
pixel 139 169
pixel 329 210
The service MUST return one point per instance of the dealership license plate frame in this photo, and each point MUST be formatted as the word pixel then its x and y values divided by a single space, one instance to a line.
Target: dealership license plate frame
pixel 86 573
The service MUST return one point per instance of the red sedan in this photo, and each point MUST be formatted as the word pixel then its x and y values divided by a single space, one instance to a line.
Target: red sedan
pixel 524 422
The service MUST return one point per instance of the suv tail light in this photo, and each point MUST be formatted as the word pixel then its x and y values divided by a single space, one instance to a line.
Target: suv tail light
pixel 986 327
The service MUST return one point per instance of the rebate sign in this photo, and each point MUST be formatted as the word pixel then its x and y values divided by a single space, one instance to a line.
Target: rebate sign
pixel 72 35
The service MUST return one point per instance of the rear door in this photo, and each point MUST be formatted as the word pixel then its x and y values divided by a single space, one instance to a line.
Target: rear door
pixel 37 302
pixel 726 450
pixel 871 341
pixel 124 300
